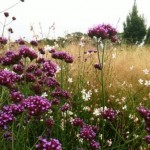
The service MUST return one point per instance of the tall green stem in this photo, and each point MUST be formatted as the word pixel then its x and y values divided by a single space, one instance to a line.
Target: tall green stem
pixel 102 77
pixel 103 103
pixel 4 27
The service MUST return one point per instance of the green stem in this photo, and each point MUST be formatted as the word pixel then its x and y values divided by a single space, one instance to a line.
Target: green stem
pixel 4 27
pixel 102 77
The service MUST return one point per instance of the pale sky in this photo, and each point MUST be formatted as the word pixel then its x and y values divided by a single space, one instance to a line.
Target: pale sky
pixel 69 15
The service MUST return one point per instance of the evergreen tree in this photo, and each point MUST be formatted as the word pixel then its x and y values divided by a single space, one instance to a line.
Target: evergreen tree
pixel 147 40
pixel 134 27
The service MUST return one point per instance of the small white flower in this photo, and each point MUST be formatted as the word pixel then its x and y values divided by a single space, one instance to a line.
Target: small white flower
pixel 146 71
pixel 97 111
pixel 86 108
pixel 96 90
pixel 44 94
pixel 147 83
pixel 114 56
pixel 131 68
pixel 109 142
pixel 140 81
pixel 124 107
pixel 86 95
pixel 48 48
pixel 58 69
pixel 82 44
pixel 70 80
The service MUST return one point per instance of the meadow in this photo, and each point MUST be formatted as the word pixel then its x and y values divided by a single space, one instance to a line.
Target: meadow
pixel 88 94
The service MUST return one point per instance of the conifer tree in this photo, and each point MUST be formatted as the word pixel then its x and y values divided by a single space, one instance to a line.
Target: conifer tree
pixel 134 27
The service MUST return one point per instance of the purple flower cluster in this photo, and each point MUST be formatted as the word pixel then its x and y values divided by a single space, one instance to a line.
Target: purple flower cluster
pixel 65 107
pixel 94 145
pixel 90 51
pixel 34 43
pixel 98 66
pixel 6 14
pixel 29 77
pixel 8 78
pixel 62 56
pixel 11 57
pixel 51 82
pixel 44 144
pixel 20 42
pixel 27 52
pixel 78 122
pixel 36 105
pixel 87 133
pixel 104 32
pixel 145 114
pixel 49 123
pixel 60 93
pixel 41 50
pixel 37 89
pixel 109 114
pixel 14 109
pixel 147 139
pixel 8 113
pixel 5 118
pixel 49 68
pixel 3 40
pixel 18 68
pixel 31 68
pixel 16 96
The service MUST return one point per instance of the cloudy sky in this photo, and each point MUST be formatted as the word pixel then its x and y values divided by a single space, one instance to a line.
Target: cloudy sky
pixel 68 15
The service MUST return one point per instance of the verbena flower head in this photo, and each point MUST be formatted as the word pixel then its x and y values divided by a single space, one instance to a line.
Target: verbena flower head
pixel 60 93
pixel 5 118
pixel 34 43
pixel 16 96
pixel 87 133
pixel 13 18
pixel 31 68
pixel 36 105
pixel 98 66
pixel 49 67
pixel 44 144
pixel 20 42
pixel 27 52
pixel 10 58
pixel 145 113
pixel 10 30
pixel 109 114
pixel 51 82
pixel 94 145
pixel 6 14
pixel 18 68
pixel 15 109
pixel 65 107
pixel 37 89
pixel 3 40
pixel 8 78
pixel 49 123
pixel 62 56
pixel 41 50
pixel 102 31
pixel 77 122
pixel 147 139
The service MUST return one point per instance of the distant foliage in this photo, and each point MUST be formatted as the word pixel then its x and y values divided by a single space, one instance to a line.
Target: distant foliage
pixel 147 40
pixel 134 27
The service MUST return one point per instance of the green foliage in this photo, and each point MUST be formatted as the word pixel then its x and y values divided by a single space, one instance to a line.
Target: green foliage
pixel 147 40
pixel 134 27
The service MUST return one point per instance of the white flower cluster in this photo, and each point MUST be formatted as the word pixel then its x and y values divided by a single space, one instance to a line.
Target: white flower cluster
pixel 86 95
pixel 144 82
